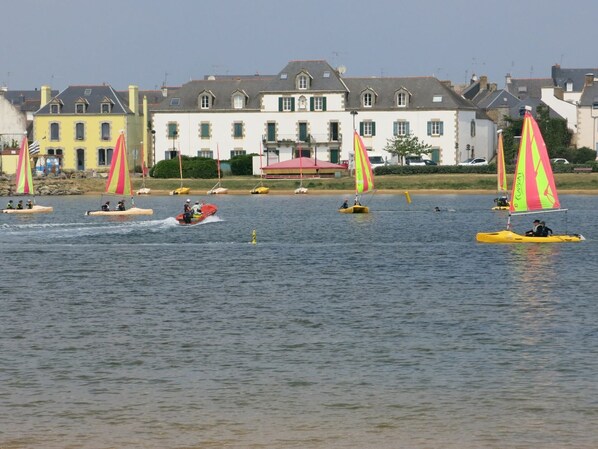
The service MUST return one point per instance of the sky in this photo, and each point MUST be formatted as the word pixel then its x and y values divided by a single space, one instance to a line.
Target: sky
pixel 151 43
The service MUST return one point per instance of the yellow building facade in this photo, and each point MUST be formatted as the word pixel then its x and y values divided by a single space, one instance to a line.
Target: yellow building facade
pixel 78 128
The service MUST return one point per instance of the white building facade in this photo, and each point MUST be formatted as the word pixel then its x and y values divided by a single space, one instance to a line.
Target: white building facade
pixel 309 108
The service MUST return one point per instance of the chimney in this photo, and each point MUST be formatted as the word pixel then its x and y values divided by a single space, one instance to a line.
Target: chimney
pixel 508 79
pixel 589 80
pixel 483 82
pixel 134 99
pixel 46 94
pixel 164 91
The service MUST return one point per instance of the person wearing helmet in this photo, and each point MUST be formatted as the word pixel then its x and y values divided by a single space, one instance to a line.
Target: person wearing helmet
pixel 10 205
pixel 106 206
pixel 187 212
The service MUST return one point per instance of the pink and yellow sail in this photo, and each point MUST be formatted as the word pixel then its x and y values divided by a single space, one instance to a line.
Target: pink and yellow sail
pixel 501 171
pixel 364 177
pixel 533 187
pixel 119 179
pixel 24 179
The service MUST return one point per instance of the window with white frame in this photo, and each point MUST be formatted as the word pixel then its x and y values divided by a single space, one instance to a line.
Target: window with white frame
pixel 204 101
pixel 401 99
pixel 437 99
pixel 367 100
pixel 79 108
pixel 286 103
pixel 368 129
pixel 237 152
pixel 302 82
pixel 318 103
pixel 435 128
pixel 206 152
pixel 238 101
pixel 401 128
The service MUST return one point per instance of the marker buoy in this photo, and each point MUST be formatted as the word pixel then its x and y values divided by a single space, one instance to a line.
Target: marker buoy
pixel 253 237
pixel 408 197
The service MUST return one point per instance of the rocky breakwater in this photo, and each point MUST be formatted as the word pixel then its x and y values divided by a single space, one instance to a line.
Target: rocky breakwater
pixel 43 185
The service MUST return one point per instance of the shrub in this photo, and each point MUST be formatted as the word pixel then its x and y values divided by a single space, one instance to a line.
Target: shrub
pixel 193 167
pixel 242 165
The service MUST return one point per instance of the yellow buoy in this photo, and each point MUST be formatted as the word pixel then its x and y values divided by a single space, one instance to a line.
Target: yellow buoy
pixel 253 237
pixel 408 197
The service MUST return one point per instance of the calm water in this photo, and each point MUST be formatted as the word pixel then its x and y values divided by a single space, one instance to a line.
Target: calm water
pixel 389 330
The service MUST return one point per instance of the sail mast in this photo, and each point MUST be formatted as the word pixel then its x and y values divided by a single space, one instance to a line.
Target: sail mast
pixel 24 179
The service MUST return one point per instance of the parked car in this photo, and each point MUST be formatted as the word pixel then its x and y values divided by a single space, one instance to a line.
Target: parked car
pixel 559 160
pixel 377 161
pixel 420 162
pixel 475 161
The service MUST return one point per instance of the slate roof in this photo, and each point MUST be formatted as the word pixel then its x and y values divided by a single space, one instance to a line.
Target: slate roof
pixel 93 94
pixel 315 69
pixel 497 99
pixel 422 90
pixel 589 95
pixel 560 77
pixel 528 87
pixel 25 100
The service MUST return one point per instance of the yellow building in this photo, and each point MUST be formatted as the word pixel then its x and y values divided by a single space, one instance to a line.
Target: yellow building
pixel 77 129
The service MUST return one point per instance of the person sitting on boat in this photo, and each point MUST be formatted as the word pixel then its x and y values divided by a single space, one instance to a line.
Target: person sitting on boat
pixel 29 204
pixel 10 205
pixel 20 204
pixel 345 204
pixel 357 203
pixel 187 212
pixel 106 206
pixel 502 201
pixel 546 231
pixel 536 230
pixel 120 205
pixel 196 208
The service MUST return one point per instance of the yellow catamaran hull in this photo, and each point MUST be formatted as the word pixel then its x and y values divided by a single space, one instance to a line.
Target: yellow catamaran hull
pixel 35 210
pixel 260 190
pixel 511 237
pixel 355 210
pixel 116 213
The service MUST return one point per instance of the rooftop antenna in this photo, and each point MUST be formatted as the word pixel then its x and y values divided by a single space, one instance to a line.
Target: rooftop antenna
pixel 165 78
pixel 531 71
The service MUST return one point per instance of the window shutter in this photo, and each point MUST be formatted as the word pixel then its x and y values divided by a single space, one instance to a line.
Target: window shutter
pixel 441 128
pixel 429 128
pixel 311 104
pixel 407 128
pixel 361 128
pixel 373 128
pixel 279 104
pixel 395 128
pixel 292 104
pixel 323 103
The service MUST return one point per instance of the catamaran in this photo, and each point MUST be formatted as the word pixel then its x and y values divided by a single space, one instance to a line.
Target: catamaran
pixel 119 182
pixel 260 189
pixel 181 190
pixel 502 202
pixel 364 177
pixel 218 189
pixel 24 183
pixel 534 190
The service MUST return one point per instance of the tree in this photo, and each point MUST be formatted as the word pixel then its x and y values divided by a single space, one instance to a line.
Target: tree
pixel 408 145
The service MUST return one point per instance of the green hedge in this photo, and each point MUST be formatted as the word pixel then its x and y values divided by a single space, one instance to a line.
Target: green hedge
pixel 193 167
pixel 441 169
pixel 242 165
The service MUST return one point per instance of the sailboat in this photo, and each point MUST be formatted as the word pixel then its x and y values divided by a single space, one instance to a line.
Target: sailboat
pixel 301 189
pixel 143 190
pixel 218 189
pixel 24 183
pixel 260 189
pixel 181 190
pixel 502 202
pixel 364 177
pixel 119 182
pixel 534 190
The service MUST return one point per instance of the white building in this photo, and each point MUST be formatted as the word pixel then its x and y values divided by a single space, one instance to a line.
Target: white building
pixel 310 106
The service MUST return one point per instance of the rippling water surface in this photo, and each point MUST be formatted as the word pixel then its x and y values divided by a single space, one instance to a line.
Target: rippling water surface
pixel 388 330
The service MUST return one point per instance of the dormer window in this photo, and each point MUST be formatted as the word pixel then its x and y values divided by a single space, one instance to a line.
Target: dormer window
pixel 106 108
pixel 238 101
pixel 54 108
pixel 80 107
pixel 302 82
pixel 367 100
pixel 204 101
pixel 569 86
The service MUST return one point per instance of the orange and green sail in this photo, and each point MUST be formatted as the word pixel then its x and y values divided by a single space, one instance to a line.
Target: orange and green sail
pixel 364 177
pixel 119 179
pixel 533 187
pixel 24 180
pixel 501 171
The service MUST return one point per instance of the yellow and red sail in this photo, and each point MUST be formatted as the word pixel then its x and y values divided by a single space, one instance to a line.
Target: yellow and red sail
pixel 501 171
pixel 533 187
pixel 24 180
pixel 364 177
pixel 119 179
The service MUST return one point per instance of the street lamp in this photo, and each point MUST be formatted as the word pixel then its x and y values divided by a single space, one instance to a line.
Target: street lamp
pixel 354 113
pixel 154 146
